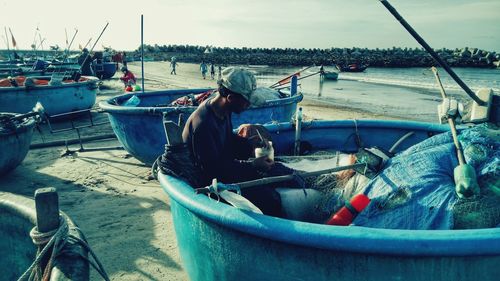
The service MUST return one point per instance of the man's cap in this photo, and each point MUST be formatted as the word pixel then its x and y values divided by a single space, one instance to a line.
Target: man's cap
pixel 238 80
pixel 85 50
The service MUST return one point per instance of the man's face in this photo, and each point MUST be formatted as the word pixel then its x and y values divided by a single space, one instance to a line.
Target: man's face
pixel 238 103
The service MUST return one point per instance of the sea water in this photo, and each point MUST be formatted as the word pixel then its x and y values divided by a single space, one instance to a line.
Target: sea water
pixel 409 93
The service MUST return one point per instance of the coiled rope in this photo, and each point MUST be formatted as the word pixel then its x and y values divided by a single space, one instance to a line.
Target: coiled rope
pixel 56 240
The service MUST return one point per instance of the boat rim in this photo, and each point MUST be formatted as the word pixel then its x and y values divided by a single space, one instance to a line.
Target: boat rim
pixel 109 106
pixel 22 127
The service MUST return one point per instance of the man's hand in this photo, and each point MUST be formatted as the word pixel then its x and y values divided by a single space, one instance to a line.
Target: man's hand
pixel 263 163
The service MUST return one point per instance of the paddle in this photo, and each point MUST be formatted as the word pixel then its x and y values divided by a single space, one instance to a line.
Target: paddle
pixel 280 82
pixel 268 180
pixel 428 48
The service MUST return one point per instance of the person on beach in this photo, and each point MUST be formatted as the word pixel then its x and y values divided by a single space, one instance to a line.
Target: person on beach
pixel 128 77
pixel 204 69
pixel 85 60
pixel 221 154
pixel 212 70
pixel 173 65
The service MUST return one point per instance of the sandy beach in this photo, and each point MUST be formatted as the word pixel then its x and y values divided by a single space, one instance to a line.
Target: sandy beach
pixel 122 211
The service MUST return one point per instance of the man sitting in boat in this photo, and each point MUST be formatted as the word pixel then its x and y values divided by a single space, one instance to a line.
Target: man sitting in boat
pixel 128 77
pixel 221 154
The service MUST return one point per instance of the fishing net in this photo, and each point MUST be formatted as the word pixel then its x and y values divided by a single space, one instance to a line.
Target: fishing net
pixel 177 162
pixel 416 189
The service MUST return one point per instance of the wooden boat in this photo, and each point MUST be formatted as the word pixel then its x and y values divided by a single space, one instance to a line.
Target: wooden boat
pixel 14 142
pixel 140 128
pixel 17 218
pixel 219 242
pixel 354 67
pixel 56 95
pixel 331 75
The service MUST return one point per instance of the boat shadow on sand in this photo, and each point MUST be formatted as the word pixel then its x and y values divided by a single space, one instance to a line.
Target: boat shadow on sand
pixel 111 199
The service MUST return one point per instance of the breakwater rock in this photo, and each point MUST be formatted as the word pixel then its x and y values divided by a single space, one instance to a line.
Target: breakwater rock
pixel 392 57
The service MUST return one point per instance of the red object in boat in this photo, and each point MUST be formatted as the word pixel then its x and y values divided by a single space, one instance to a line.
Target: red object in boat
pixel 346 214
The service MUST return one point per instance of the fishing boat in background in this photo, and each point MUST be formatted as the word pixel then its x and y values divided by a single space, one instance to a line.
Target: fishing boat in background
pixel 15 140
pixel 104 70
pixel 140 130
pixel 103 65
pixel 18 216
pixel 56 93
pixel 353 67
pixel 331 75
pixel 220 242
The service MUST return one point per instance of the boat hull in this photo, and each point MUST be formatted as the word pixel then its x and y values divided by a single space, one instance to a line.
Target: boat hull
pixel 140 129
pixel 219 242
pixel 17 218
pixel 55 99
pixel 14 145
pixel 106 70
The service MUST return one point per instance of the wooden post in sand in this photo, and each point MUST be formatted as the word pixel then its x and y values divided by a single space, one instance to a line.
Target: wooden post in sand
pixel 47 209
pixel 47 215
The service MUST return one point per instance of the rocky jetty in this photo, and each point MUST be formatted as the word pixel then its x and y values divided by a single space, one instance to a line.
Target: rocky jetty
pixel 392 57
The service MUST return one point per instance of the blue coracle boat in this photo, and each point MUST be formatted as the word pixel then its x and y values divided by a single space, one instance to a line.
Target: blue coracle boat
pixel 140 128
pixel 56 99
pixel 17 218
pixel 219 242
pixel 14 143
pixel 105 70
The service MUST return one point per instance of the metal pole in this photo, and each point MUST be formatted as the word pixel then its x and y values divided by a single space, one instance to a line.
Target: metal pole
pixel 424 44
pixel 142 51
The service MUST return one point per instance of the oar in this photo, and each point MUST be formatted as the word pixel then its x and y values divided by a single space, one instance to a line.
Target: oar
pixel 275 179
pixel 95 43
pixel 281 86
pixel 428 48
pixel 289 76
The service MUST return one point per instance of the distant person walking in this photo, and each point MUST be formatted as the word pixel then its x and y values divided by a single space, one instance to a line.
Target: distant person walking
pixel 204 69
pixel 173 65
pixel 212 70
pixel 219 72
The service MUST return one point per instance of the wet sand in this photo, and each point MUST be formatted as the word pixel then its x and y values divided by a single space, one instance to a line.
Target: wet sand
pixel 123 213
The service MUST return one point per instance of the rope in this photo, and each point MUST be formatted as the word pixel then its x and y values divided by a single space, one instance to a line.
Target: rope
pixel 56 240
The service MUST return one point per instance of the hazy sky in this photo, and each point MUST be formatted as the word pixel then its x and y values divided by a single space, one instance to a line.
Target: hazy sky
pixel 266 23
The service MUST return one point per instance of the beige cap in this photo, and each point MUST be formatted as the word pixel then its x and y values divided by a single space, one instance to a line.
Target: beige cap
pixel 238 80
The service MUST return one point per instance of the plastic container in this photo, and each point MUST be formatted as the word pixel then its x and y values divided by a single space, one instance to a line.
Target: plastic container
pixel 265 151
pixel 132 101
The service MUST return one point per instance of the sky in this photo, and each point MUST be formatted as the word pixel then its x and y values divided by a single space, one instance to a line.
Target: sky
pixel 245 23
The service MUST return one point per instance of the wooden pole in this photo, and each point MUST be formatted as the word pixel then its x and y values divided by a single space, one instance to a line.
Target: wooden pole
pixel 451 122
pixel 434 55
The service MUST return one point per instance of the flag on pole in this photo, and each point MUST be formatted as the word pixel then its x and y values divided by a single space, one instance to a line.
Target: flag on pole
pixel 14 43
